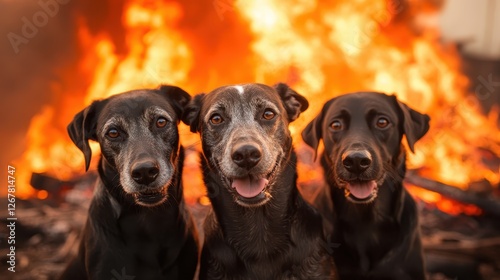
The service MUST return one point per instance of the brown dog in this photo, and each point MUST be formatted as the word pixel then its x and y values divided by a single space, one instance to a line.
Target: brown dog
pixel 374 218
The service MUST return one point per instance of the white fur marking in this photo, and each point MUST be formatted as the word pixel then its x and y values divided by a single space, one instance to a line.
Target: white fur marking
pixel 239 89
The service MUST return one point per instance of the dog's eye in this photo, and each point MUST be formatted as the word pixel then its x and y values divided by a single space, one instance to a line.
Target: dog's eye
pixel 268 115
pixel 216 119
pixel 113 133
pixel 382 123
pixel 336 125
pixel 161 122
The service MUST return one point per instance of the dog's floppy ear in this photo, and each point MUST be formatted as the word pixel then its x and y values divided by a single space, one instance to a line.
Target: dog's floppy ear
pixel 313 132
pixel 178 97
pixel 191 114
pixel 415 124
pixel 83 128
pixel 294 103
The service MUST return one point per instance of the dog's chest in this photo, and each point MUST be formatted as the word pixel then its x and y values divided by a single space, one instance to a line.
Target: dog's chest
pixel 150 241
pixel 366 243
pixel 286 265
pixel 269 256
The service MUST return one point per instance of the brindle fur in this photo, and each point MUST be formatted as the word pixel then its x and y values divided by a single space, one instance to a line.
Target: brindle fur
pixel 279 237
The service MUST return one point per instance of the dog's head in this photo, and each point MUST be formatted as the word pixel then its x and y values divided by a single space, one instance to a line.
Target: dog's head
pixel 245 136
pixel 362 135
pixel 138 135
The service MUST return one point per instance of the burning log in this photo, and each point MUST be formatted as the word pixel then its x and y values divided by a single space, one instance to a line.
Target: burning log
pixel 489 204
pixel 41 181
pixel 78 190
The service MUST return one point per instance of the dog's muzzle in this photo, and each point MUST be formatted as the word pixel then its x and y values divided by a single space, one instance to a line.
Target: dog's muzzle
pixel 358 190
pixel 152 197
pixel 251 190
pixel 145 174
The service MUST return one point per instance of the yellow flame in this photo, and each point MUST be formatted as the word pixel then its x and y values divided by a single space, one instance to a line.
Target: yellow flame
pixel 321 48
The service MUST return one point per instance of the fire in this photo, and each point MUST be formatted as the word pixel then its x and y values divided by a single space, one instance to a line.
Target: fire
pixel 444 204
pixel 381 55
pixel 156 53
pixel 321 49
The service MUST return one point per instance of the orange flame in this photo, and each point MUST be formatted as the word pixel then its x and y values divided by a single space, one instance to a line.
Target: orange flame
pixel 321 49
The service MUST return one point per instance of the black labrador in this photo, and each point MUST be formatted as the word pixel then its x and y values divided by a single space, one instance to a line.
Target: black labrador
pixel 138 224
pixel 260 227
pixel 374 218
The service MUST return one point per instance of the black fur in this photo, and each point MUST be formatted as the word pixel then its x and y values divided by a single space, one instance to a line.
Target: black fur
pixel 135 230
pixel 378 235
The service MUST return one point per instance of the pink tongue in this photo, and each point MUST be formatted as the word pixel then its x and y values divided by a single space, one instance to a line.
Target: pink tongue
pixel 249 187
pixel 362 190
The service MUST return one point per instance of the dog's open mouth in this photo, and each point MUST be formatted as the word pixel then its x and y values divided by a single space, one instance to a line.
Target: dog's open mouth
pixel 251 190
pixel 361 191
pixel 151 197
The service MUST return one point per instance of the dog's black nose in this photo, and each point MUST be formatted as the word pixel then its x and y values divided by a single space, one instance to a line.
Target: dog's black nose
pixel 246 156
pixel 356 161
pixel 145 172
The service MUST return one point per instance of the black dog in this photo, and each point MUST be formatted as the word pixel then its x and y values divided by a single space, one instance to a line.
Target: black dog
pixel 138 225
pixel 374 218
pixel 260 227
